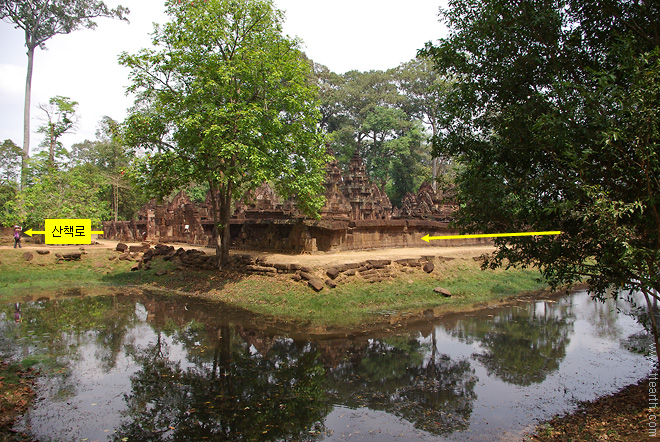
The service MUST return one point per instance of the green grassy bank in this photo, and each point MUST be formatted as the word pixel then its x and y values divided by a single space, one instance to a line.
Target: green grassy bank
pixel 21 279
pixel 359 301
pixel 352 302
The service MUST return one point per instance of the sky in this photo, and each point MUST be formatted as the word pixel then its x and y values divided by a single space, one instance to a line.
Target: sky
pixel 343 35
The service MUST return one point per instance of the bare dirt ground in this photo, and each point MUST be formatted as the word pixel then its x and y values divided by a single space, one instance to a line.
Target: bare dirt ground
pixel 623 416
pixel 316 260
pixel 328 259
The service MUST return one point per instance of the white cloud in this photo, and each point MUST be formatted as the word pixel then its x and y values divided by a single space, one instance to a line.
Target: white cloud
pixel 343 35
pixel 10 77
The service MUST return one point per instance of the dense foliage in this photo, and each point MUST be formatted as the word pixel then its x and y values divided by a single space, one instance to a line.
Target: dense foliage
pixel 556 122
pixel 60 118
pixel 41 20
pixel 385 116
pixel 90 182
pixel 224 98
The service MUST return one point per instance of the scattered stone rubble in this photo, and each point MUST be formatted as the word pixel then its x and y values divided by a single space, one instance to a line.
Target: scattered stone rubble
pixel 143 255
pixel 371 270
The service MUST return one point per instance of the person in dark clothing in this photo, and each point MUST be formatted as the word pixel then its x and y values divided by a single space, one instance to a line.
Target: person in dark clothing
pixel 17 237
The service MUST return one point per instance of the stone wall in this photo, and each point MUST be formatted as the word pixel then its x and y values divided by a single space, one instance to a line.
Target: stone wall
pixel 357 215
pixel 427 204
pixel 177 221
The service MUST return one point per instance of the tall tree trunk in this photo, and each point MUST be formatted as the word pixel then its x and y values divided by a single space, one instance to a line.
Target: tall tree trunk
pixel 26 117
pixel 224 235
pixel 115 200
pixel 654 324
pixel 435 161
pixel 216 221
pixel 51 153
pixel 225 215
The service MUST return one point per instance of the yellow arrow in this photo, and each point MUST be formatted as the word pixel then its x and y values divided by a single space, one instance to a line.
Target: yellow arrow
pixel 429 238
pixel 67 231
pixel 32 232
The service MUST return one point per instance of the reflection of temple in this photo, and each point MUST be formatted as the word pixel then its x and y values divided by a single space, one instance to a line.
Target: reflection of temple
pixel 403 375
pixel 357 215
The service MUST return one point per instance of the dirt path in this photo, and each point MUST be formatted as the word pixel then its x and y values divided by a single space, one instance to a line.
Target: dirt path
pixel 102 244
pixel 328 259
pixel 321 259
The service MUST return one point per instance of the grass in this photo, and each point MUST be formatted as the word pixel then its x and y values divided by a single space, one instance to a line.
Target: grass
pixel 352 302
pixel 359 301
pixel 20 278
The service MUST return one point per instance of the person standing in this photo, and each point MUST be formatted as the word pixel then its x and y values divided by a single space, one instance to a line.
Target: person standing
pixel 17 236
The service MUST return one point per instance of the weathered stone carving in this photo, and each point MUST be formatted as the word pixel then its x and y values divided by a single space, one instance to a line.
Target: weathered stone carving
pixel 427 204
pixel 357 215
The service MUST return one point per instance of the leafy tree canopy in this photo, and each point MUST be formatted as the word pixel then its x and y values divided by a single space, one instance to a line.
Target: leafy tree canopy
pixel 93 179
pixel 225 98
pixel 60 118
pixel 43 19
pixel 40 20
pixel 65 194
pixel 10 161
pixel 383 116
pixel 555 118
pixel 115 162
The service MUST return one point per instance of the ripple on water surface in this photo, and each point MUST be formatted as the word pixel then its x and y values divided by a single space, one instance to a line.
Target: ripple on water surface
pixel 150 367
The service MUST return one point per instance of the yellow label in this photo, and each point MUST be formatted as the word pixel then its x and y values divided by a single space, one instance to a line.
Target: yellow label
pixel 68 231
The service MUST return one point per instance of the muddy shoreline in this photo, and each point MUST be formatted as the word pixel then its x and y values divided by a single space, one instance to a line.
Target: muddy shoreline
pixel 622 416
pixel 620 419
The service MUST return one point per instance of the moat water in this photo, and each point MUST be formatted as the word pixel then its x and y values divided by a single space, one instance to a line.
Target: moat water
pixel 161 368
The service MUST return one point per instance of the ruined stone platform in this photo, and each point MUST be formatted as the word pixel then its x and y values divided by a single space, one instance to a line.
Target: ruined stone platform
pixel 319 271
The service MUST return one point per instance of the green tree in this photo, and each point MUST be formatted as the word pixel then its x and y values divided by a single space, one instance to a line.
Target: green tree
pixel 395 151
pixel 409 164
pixel 225 99
pixel 115 163
pixel 556 121
pixel 10 157
pixel 353 101
pixel 10 160
pixel 366 112
pixel 330 87
pixel 41 20
pixel 425 91
pixel 65 194
pixel 60 118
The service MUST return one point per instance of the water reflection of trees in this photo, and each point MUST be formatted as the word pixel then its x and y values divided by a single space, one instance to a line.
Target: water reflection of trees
pixel 51 334
pixel 59 327
pixel 604 317
pixel 233 394
pixel 409 379
pixel 521 345
pixel 202 376
pixel 241 383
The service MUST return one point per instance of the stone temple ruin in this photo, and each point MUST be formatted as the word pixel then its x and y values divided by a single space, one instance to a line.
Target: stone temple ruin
pixel 357 215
